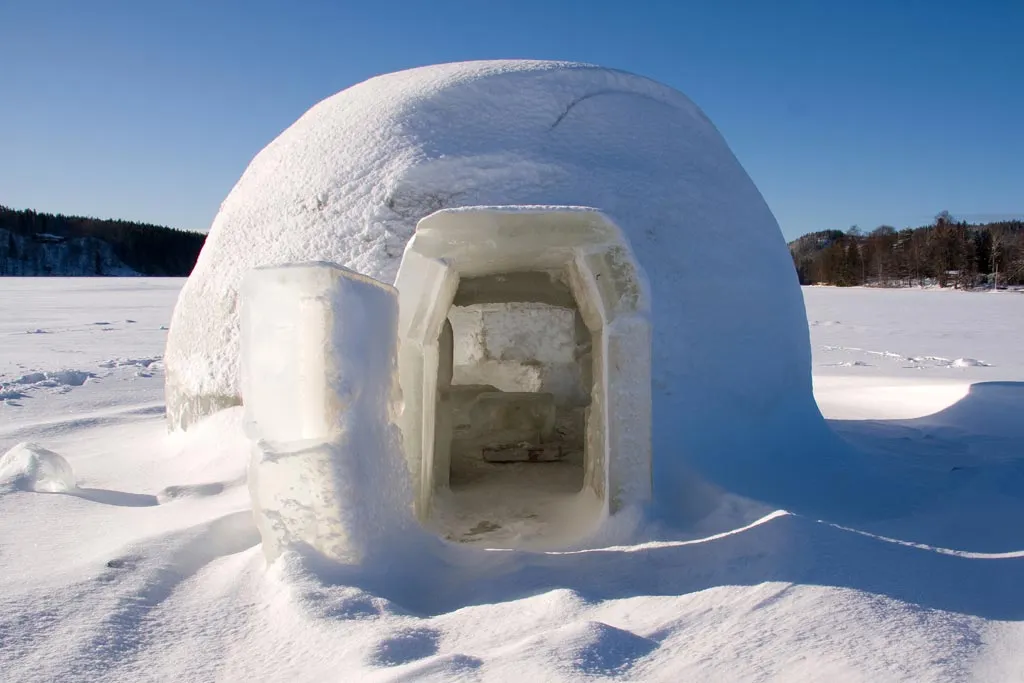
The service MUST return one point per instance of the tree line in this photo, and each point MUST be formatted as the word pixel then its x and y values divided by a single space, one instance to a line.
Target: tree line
pixel 947 253
pixel 145 248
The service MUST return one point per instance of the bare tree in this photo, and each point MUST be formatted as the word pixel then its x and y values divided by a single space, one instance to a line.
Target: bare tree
pixel 1003 242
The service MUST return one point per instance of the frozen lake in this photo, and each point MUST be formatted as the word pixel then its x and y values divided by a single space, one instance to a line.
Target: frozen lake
pixel 150 571
pixel 925 344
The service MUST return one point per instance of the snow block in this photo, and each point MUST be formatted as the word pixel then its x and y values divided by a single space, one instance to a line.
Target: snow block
pixel 30 467
pixel 319 385
pixel 501 418
pixel 516 346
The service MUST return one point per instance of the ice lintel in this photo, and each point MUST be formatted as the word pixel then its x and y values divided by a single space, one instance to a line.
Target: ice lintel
pixel 493 239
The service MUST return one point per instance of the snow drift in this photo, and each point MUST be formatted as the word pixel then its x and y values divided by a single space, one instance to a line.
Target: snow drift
pixel 106 584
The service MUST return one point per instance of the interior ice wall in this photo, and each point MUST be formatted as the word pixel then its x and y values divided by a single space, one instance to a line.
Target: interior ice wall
pixel 518 346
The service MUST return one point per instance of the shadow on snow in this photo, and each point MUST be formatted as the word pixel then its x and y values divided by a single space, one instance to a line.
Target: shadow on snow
pixel 938 484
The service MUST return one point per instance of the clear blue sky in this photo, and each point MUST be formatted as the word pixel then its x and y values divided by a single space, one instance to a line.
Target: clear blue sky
pixel 843 113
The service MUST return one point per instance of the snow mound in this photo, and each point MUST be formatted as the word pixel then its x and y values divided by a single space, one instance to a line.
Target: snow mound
pixel 30 467
pixel 59 381
pixel 591 648
pixel 58 378
pixel 922 362
pixel 969 363
pixel 131 362
pixel 11 394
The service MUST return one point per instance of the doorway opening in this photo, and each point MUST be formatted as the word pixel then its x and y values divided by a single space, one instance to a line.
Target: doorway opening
pixel 524 351
pixel 514 385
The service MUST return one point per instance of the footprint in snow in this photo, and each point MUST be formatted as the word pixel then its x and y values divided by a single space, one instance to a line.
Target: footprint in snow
pixel 171 493
pixel 404 646
pixel 591 647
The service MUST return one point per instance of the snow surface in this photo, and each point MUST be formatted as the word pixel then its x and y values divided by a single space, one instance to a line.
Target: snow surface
pixel 152 571
pixel 82 348
pixel 349 180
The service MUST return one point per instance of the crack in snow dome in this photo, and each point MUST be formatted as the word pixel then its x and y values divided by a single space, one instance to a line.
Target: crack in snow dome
pixel 563 240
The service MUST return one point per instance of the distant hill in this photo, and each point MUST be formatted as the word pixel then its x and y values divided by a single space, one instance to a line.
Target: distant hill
pixel 947 253
pixel 33 243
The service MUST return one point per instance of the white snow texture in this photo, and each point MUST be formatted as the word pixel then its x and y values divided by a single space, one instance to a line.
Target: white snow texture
pixel 152 570
pixel 349 180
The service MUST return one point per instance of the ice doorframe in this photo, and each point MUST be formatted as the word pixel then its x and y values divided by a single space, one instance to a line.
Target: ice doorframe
pixel 611 292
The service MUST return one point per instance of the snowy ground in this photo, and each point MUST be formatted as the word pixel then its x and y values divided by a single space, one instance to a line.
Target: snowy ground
pixel 150 569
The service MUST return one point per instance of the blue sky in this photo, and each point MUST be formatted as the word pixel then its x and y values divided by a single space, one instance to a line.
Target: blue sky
pixel 842 112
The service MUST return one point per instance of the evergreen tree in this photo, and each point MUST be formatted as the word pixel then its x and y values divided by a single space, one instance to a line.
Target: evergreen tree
pixel 948 252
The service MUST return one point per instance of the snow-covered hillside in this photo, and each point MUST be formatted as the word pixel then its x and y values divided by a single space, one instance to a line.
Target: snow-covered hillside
pixel 45 254
pixel 148 568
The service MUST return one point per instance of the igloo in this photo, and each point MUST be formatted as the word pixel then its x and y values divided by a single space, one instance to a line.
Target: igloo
pixel 595 289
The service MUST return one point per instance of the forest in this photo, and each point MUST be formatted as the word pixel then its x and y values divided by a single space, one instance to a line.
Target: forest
pixel 33 243
pixel 947 253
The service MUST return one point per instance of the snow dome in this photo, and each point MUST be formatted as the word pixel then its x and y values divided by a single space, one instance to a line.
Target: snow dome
pixel 351 179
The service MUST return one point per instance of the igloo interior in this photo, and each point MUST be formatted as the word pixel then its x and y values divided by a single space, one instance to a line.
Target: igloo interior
pixel 524 348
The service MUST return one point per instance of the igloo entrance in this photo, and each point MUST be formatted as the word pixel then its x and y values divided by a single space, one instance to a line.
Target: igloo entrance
pixel 514 382
pixel 524 361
